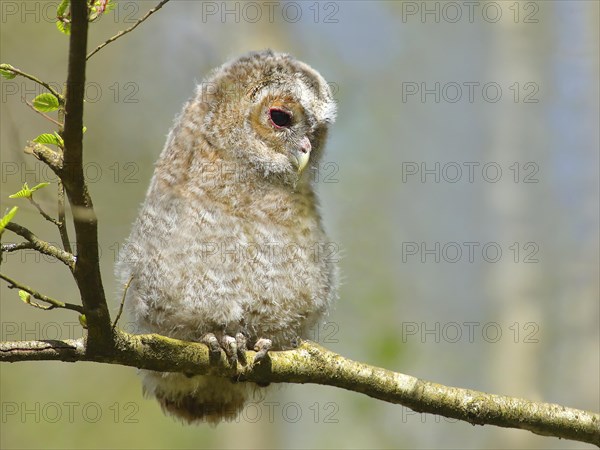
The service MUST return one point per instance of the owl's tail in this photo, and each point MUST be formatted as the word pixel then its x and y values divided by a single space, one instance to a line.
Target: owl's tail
pixel 199 398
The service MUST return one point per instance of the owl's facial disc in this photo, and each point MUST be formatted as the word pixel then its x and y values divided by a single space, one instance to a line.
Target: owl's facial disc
pixel 286 131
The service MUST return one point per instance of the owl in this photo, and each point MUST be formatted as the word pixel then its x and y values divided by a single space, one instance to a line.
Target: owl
pixel 228 248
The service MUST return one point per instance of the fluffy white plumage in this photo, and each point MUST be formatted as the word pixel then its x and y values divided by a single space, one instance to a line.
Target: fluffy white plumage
pixel 229 239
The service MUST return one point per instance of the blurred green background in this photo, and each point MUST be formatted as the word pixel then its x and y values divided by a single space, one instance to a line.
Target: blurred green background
pixel 512 125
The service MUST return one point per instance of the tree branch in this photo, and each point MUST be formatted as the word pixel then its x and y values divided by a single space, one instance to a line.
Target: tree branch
pixel 53 303
pixel 42 246
pixel 311 363
pixel 42 212
pixel 62 219
pixel 44 115
pixel 16 71
pixel 124 32
pixel 47 350
pixel 9 248
pixel 87 267
pixel 51 158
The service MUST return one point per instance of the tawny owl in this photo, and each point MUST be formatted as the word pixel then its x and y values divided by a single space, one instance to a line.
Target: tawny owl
pixel 228 247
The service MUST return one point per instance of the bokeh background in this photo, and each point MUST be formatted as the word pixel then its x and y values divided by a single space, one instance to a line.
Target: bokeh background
pixel 517 90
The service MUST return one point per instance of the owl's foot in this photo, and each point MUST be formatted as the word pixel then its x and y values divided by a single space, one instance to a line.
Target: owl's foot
pixel 212 343
pixel 234 348
pixel 242 347
pixel 262 347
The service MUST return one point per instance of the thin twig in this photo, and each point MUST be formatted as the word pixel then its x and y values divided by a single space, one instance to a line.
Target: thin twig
pixel 122 302
pixel 43 246
pixel 16 71
pixel 62 223
pixel 124 32
pixel 42 212
pixel 46 116
pixel 53 302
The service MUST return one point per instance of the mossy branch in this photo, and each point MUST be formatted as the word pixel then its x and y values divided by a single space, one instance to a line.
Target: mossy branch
pixel 311 363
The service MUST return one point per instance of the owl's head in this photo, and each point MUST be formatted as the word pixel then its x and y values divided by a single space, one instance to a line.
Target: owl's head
pixel 268 112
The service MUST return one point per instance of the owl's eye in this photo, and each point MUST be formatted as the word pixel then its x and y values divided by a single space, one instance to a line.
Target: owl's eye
pixel 280 118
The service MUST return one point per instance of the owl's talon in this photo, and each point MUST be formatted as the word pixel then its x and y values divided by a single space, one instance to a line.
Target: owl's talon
pixel 230 347
pixel 262 347
pixel 212 343
pixel 242 347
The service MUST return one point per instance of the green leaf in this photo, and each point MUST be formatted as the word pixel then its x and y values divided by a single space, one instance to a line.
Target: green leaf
pixel 5 73
pixel 63 27
pixel 61 143
pixel 7 218
pixel 63 23
pixel 60 11
pixel 83 320
pixel 26 192
pixel 25 296
pixel 47 138
pixel 46 102
pixel 94 14
pixel 39 186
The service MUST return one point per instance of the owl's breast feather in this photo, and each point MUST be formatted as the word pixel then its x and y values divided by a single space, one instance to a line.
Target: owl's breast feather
pixel 206 262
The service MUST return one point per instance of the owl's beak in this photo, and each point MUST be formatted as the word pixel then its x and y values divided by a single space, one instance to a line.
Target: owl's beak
pixel 302 153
